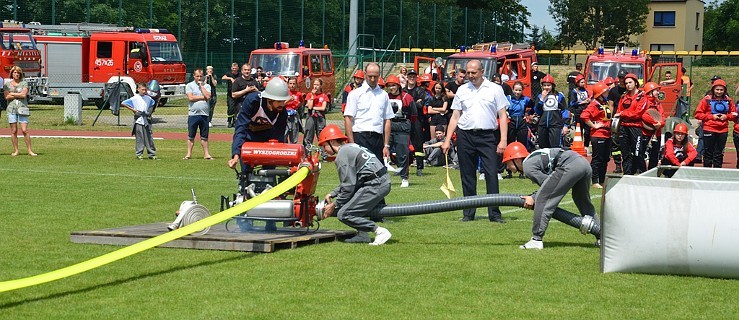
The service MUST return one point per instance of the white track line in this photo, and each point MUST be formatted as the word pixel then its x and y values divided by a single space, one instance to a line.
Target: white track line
pixel 82 137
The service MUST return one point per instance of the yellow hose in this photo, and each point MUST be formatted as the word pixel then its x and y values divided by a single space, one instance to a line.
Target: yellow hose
pixel 93 263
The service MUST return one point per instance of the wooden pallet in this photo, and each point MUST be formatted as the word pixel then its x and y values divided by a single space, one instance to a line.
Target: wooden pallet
pixel 216 239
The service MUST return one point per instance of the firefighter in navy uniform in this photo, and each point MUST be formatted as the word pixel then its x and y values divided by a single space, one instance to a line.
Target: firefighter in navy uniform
pixel 420 96
pixel 579 99
pixel 552 111
pixel 406 113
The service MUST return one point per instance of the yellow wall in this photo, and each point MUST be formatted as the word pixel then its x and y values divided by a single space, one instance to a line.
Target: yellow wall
pixel 684 35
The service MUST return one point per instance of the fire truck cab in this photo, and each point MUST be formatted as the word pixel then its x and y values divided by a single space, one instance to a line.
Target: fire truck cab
pixel 18 48
pixel 513 60
pixel 305 64
pixel 84 58
pixel 606 63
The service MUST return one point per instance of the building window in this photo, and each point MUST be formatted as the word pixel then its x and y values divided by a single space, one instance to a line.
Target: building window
pixel 697 20
pixel 662 47
pixel 664 18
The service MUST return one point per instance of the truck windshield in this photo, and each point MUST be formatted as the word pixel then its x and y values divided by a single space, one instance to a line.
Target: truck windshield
pixel 489 65
pixel 283 64
pixel 600 70
pixel 164 52
pixel 17 41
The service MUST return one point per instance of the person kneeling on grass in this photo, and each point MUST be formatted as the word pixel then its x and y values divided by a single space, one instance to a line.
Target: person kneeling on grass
pixel 364 183
pixel 556 171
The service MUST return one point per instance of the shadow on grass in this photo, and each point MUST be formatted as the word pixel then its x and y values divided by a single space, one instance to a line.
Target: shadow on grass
pixel 122 281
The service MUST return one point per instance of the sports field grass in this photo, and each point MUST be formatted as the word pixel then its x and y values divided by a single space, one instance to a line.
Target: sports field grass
pixel 433 268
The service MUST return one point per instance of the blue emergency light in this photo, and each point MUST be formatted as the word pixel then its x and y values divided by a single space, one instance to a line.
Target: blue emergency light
pixel 146 30
pixel 461 49
pixel 601 51
pixel 278 45
pixel 634 52
pixel 493 49
pixel 301 44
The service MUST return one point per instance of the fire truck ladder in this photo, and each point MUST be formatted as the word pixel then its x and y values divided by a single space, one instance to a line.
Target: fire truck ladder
pixel 72 29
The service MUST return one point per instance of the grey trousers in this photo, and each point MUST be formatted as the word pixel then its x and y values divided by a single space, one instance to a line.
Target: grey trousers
pixel 366 198
pixel 313 128
pixel 144 139
pixel 576 175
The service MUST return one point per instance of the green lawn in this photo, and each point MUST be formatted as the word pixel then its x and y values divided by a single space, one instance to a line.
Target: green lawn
pixel 433 268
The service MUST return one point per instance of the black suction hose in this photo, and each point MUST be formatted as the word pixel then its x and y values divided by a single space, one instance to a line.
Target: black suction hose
pixel 585 224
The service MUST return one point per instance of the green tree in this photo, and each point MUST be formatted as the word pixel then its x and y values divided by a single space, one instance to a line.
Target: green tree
pixel 548 41
pixel 595 22
pixel 721 26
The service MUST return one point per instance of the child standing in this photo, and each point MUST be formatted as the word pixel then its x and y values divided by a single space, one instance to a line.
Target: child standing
pixel 364 184
pixel 141 104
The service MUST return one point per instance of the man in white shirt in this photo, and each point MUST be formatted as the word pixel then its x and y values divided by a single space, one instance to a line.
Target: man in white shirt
pixel 368 114
pixel 479 110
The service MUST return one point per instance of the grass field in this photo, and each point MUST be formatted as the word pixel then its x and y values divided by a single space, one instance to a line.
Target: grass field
pixel 433 268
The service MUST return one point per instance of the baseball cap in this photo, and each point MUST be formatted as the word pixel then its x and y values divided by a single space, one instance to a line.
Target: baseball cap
pixel 412 72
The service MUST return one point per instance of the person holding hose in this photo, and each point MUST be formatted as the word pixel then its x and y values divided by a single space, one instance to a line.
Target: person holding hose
pixel 556 171
pixel 364 184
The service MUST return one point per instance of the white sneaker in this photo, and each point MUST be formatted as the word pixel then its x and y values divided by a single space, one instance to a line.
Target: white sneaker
pixel 210 124
pixel 404 183
pixel 500 177
pixel 533 244
pixel 382 235
pixel 597 186
pixel 482 177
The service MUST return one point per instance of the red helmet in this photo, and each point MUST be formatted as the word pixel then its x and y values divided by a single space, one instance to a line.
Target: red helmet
pixel 578 78
pixel 381 82
pixel 609 81
pixel 424 78
pixel 331 132
pixel 718 82
pixel 599 89
pixel 680 128
pixel 359 74
pixel 548 79
pixel 515 150
pixel 650 86
pixel 632 76
pixel 392 79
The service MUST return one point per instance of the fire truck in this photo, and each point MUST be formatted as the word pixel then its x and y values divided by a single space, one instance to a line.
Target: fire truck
pixel 606 63
pixel 513 60
pixel 18 48
pixel 85 58
pixel 305 64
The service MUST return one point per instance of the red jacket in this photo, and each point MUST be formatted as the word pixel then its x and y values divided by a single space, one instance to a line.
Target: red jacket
pixel 631 108
pixel 674 153
pixel 711 106
pixel 652 103
pixel 596 113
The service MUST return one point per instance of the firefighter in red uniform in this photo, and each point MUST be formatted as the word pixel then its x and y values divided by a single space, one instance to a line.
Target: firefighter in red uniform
pixel 597 116
pixel 405 114
pixel 715 110
pixel 678 150
pixel 630 109
pixel 358 78
pixel 652 122
pixel 293 107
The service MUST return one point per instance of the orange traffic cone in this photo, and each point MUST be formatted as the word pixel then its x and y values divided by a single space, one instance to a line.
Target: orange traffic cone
pixel 577 144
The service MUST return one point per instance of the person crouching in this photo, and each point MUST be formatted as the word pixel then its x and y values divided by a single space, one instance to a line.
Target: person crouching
pixel 556 171
pixel 678 150
pixel 364 184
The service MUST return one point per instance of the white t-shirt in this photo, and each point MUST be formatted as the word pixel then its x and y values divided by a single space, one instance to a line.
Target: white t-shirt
pixel 479 106
pixel 197 108
pixel 140 103
pixel 369 108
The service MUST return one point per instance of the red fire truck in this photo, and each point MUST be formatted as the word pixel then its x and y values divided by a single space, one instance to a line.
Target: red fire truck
pixel 606 63
pixel 513 60
pixel 18 49
pixel 305 64
pixel 82 58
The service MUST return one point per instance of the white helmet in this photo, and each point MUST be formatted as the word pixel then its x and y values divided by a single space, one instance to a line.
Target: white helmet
pixel 276 90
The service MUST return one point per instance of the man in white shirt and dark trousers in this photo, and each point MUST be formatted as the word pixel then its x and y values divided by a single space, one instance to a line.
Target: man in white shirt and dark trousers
pixel 478 105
